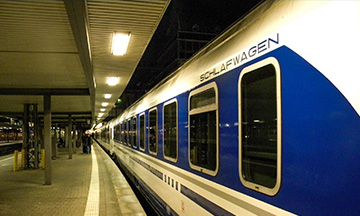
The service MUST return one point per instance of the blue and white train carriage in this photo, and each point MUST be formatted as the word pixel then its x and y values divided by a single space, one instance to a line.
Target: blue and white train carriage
pixel 262 121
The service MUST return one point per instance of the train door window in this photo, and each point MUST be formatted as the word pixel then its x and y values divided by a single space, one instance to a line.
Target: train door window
pixel 170 131
pixel 132 135
pixel 203 129
pixel 153 131
pixel 142 132
pixel 260 126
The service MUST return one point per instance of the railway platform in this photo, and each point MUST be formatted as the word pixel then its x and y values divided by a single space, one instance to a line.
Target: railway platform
pixel 87 184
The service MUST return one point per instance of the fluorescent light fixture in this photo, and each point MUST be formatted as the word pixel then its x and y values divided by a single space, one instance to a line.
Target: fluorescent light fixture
pixel 100 114
pixel 113 81
pixel 104 104
pixel 99 125
pixel 107 96
pixel 102 109
pixel 120 43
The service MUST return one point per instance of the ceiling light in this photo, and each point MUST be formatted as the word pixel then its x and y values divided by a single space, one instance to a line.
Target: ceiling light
pixel 112 81
pixel 102 109
pixel 104 104
pixel 107 96
pixel 100 114
pixel 120 43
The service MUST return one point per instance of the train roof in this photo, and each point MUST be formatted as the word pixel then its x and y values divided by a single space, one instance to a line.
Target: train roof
pixel 261 23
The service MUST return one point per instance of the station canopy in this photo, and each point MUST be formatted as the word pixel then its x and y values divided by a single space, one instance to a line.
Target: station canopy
pixel 63 48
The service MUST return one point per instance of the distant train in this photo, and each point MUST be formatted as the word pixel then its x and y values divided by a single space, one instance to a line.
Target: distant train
pixel 8 131
pixel 265 120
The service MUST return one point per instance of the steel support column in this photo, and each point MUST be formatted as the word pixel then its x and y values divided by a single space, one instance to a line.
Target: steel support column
pixel 30 137
pixel 70 137
pixel 47 139
pixel 53 144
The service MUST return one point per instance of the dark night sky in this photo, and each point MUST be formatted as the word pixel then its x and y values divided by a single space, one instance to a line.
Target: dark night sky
pixel 210 16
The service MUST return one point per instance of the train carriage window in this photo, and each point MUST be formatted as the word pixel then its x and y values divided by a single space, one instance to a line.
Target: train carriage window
pixel 127 132
pixel 203 129
pixel 107 139
pixel 260 126
pixel 121 132
pixel 132 132
pixel 142 131
pixel 153 131
pixel 170 131
pixel 117 132
pixel 102 135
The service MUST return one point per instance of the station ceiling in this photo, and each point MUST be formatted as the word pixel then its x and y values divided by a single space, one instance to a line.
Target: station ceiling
pixel 62 48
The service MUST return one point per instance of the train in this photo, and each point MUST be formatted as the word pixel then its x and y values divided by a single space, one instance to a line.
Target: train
pixel 264 120
pixel 9 130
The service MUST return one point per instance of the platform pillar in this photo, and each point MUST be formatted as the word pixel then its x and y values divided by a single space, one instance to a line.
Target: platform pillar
pixel 53 144
pixel 30 136
pixel 70 137
pixel 25 134
pixel 47 139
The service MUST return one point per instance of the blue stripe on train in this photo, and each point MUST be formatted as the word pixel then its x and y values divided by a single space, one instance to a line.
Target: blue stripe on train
pixel 203 202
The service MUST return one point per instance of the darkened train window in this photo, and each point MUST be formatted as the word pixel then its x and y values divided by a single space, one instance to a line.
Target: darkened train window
pixel 170 131
pixel 121 132
pixel 107 134
pixel 132 135
pixel 103 134
pixel 142 132
pixel 127 132
pixel 117 132
pixel 260 144
pixel 203 129
pixel 153 131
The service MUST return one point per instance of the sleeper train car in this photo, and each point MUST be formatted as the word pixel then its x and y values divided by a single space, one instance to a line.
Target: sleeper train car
pixel 265 120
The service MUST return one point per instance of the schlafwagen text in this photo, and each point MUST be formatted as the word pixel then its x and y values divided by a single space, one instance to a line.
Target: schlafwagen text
pixel 240 58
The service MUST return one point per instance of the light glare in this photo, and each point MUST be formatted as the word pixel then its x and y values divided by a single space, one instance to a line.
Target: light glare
pixel 113 81
pixel 120 43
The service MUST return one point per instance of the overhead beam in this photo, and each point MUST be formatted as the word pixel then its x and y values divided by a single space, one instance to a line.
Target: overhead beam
pixel 44 91
pixel 75 118
pixel 79 21
pixel 53 113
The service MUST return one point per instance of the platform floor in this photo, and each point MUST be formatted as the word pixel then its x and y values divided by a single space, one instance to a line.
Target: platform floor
pixel 24 193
